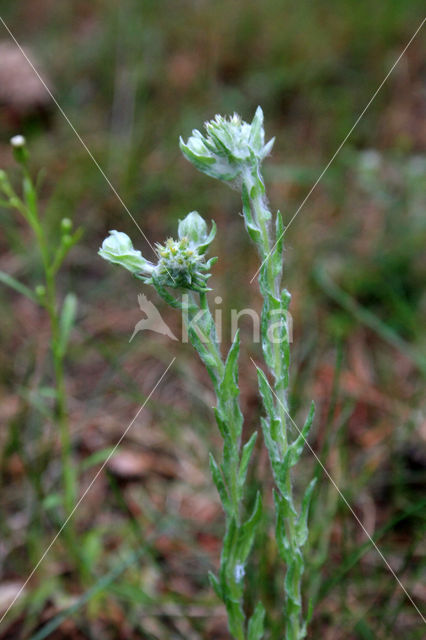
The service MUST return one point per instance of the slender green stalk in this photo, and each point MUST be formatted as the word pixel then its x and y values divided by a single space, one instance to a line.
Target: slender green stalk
pixel 51 304
pixel 68 469
pixel 229 475
pixel 61 317
pixel 233 151
pixel 181 266
pixel 290 531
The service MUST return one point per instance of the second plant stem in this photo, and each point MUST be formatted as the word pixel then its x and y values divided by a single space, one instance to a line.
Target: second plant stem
pixel 51 304
pixel 230 474
pixel 276 353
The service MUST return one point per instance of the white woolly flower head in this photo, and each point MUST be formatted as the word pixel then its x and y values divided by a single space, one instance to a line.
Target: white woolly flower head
pixel 230 144
pixel 181 263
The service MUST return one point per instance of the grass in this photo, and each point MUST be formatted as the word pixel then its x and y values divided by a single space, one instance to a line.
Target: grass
pixel 128 78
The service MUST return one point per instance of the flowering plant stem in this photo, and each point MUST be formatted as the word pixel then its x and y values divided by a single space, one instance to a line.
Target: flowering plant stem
pixel 233 151
pixel 291 529
pixel 182 266
pixel 229 475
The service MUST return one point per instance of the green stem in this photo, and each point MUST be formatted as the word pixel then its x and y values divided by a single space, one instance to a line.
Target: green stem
pixel 68 474
pixel 27 206
pixel 206 332
pixel 270 284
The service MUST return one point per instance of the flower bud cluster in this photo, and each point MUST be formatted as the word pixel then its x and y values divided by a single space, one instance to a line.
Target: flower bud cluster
pixel 229 146
pixel 181 263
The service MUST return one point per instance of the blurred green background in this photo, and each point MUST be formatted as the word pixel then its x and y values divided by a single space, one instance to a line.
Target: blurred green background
pixel 132 76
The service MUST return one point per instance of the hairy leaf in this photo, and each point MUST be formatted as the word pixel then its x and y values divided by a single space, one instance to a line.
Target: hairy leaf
pixel 302 523
pixel 299 443
pixel 220 485
pixel 255 625
pixel 247 531
pixel 245 460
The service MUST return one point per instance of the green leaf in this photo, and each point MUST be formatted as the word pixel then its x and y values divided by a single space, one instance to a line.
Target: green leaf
pixel 285 298
pixel 96 458
pixel 279 231
pixel 30 194
pixel 230 377
pixel 309 612
pixel 302 523
pixel 202 248
pixel 208 359
pixel 280 531
pixel 118 249
pixel 216 585
pixel 228 390
pixel 127 592
pixel 11 282
pixel 66 321
pixel 227 557
pixel 299 443
pixel 194 228
pixel 245 460
pixel 247 531
pixel 253 232
pixel 271 445
pixel 252 228
pixel 277 254
pixel 266 393
pixel 255 625
pixel 52 501
pixel 91 548
pixel 281 471
pixel 220 484
pixel 292 582
pixel 222 424
pixel 256 129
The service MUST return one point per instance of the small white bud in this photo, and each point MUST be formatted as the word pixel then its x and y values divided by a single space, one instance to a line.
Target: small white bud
pixel 118 248
pixel 18 142
pixel 194 228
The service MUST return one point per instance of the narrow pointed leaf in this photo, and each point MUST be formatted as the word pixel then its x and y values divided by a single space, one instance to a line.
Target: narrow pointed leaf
pixel 215 584
pixel 247 531
pixel 266 393
pixel 219 482
pixel 11 282
pixel 299 443
pixel 291 583
pixel 67 321
pixel 255 625
pixel 280 530
pixel 245 460
pixel 302 523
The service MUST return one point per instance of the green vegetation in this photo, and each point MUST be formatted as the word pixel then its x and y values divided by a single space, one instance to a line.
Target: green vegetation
pixel 132 77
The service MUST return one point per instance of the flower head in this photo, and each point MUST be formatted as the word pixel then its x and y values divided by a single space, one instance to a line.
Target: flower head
pixel 181 263
pixel 230 144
